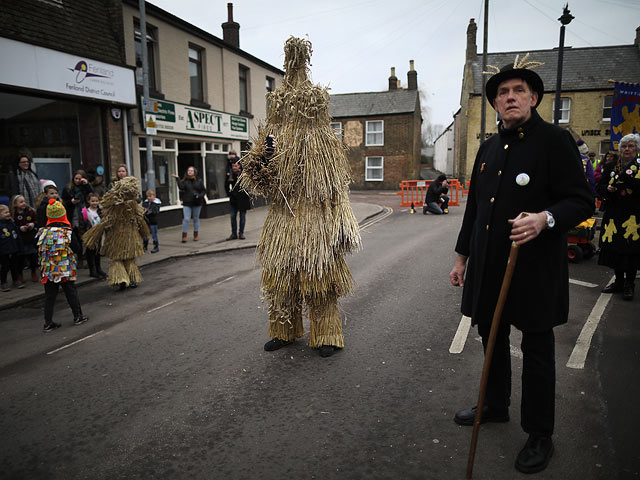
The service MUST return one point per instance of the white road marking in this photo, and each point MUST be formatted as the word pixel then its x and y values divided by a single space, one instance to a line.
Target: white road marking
pixel 457 345
pixel 581 349
pixel 161 306
pixel 73 343
pixel 581 283
pixel 513 350
pixel 225 280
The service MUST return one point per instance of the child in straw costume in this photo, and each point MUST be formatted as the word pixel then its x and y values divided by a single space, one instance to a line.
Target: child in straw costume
pixel 124 228
pixel 310 224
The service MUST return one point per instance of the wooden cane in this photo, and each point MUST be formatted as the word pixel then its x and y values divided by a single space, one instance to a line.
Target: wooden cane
pixel 488 355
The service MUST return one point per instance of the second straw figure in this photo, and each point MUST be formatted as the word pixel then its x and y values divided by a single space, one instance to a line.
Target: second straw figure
pixel 124 229
pixel 310 225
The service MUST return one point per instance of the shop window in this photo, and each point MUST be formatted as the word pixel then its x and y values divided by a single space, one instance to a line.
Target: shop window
pixel 337 129
pixel 243 79
pixel 605 146
pixel 152 46
pixel 374 169
pixel 375 133
pixel 195 73
pixel 164 165
pixel 565 110
pixel 607 102
pixel 216 165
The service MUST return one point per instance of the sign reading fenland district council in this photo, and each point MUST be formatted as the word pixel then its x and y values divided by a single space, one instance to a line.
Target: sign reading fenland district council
pixel 180 118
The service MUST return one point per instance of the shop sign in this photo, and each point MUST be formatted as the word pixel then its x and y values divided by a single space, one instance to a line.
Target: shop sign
pixel 39 68
pixel 180 118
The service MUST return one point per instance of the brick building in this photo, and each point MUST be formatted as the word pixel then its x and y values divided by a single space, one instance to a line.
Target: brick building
pixel 209 96
pixel 586 93
pixel 382 131
pixel 64 86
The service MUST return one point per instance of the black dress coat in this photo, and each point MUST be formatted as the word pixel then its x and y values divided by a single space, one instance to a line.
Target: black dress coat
pixel 548 157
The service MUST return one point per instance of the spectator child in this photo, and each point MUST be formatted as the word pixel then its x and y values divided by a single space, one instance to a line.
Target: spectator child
pixel 50 191
pixel 91 217
pixel 10 247
pixel 56 249
pixel 25 219
pixel 151 210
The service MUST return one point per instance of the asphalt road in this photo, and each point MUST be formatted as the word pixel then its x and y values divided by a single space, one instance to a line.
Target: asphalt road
pixel 170 380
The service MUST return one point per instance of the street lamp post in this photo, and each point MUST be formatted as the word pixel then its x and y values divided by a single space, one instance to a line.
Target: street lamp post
pixel 565 19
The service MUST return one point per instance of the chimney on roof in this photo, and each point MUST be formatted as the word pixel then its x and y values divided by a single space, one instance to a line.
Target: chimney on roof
pixel 472 48
pixel 393 80
pixel 412 77
pixel 637 42
pixel 231 29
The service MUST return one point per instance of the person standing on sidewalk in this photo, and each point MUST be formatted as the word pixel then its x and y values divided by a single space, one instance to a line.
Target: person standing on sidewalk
pixel 58 264
pixel 192 195
pixel 10 247
pixel 25 218
pixel 151 210
pixel 527 187
pixel 239 202
pixel 91 215
pixel 620 235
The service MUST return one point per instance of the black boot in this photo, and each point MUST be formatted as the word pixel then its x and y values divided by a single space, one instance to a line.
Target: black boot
pixel 615 287
pixel 627 293
pixel 156 249
pixel 101 274
pixel 91 261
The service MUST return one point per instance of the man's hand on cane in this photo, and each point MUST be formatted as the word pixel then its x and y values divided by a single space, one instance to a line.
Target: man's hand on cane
pixel 527 226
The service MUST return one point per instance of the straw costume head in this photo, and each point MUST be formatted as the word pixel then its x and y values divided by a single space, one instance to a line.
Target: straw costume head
pixel 310 224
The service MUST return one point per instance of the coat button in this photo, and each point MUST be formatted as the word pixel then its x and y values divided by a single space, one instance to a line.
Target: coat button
pixel 492 199
pixel 499 172
pixel 487 227
pixel 506 146
pixel 521 135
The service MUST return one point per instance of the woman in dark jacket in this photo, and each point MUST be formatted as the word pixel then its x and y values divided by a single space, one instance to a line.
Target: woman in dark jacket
pixel 192 195
pixel 74 197
pixel 239 202
pixel 23 181
pixel 619 236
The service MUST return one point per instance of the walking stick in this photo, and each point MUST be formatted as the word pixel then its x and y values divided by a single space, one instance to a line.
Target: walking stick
pixel 488 355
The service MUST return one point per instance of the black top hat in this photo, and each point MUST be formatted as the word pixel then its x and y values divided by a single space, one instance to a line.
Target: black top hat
pixel 508 72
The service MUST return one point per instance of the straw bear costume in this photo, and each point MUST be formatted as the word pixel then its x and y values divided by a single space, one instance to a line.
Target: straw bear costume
pixel 310 225
pixel 124 227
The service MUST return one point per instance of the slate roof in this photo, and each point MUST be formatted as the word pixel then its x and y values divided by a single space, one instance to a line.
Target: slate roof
pixel 586 68
pixel 372 103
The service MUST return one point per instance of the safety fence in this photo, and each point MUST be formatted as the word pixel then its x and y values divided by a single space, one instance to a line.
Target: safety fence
pixel 415 191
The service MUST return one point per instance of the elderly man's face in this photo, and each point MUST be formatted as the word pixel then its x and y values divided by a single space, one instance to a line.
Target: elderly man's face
pixel 514 101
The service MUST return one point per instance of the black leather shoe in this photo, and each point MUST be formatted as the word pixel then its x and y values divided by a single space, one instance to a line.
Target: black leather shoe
pixel 466 417
pixel 276 344
pixel 327 350
pixel 535 455
pixel 613 288
pixel 627 293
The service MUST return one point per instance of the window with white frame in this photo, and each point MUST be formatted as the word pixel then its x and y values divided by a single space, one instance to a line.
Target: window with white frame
pixel 243 83
pixel 337 129
pixel 374 169
pixel 607 103
pixel 195 73
pixel 374 133
pixel 565 110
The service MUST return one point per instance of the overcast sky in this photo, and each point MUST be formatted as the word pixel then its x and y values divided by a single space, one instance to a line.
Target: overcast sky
pixel 356 42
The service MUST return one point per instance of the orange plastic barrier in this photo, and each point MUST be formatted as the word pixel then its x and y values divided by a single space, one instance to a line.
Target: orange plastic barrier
pixel 415 191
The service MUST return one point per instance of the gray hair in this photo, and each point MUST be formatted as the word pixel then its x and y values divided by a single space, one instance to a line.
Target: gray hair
pixel 631 137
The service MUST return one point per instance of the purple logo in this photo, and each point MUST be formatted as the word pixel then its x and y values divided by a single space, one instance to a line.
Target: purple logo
pixel 82 70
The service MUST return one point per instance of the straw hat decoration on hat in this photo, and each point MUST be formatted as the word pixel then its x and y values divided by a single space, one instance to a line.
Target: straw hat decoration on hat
pixel 521 68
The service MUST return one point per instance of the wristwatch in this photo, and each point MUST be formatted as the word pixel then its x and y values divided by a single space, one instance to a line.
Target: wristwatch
pixel 550 220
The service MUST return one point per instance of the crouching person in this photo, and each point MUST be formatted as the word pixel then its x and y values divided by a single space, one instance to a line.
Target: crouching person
pixel 436 200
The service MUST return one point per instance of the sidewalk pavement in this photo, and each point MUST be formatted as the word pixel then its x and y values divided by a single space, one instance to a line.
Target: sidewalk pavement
pixel 212 239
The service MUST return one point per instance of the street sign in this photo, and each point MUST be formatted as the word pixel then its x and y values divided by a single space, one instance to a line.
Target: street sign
pixel 150 123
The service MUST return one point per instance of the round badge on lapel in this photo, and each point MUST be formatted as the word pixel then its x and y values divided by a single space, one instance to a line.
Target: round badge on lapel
pixel 522 179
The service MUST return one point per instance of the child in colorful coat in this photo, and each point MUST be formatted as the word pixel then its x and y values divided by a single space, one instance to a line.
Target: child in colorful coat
pixel 58 264
pixel 10 247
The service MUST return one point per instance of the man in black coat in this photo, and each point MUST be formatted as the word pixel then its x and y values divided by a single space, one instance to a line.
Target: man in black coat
pixel 527 187
pixel 239 202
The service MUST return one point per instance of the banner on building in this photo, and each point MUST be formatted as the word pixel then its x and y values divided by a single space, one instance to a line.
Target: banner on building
pixel 176 117
pixel 625 111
